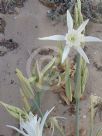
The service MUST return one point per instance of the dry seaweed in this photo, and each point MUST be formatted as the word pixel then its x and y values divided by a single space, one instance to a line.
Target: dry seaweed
pixel 9 6
pixel 7 45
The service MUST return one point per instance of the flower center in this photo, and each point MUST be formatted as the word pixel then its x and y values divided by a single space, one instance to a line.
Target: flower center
pixel 73 38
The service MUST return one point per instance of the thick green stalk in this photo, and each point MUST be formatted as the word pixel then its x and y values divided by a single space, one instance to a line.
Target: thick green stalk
pixel 77 93
pixel 78 21
pixel 77 116
pixel 79 80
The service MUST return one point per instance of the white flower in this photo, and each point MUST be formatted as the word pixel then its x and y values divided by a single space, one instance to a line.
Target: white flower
pixel 73 38
pixel 33 126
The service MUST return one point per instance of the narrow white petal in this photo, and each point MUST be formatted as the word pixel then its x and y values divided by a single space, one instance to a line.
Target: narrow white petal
pixel 54 38
pixel 19 131
pixel 44 118
pixel 65 53
pixel 69 21
pixel 92 39
pixel 82 53
pixel 82 26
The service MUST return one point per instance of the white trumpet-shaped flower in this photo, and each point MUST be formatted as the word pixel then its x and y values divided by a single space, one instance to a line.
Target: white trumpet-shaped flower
pixel 33 126
pixel 73 38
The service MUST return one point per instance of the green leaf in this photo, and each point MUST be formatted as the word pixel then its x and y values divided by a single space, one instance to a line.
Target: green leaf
pixel 76 16
pixel 54 124
pixel 80 16
pixel 14 111
pixel 27 106
pixel 38 70
pixel 99 132
pixel 68 83
pixel 25 85
pixel 47 67
pixel 36 102
pixel 32 79
pixel 84 76
pixel 79 5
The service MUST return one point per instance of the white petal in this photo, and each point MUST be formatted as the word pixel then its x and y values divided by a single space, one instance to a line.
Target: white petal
pixel 27 125
pixel 65 53
pixel 54 38
pixel 82 26
pixel 69 21
pixel 19 131
pixel 82 53
pixel 92 39
pixel 44 118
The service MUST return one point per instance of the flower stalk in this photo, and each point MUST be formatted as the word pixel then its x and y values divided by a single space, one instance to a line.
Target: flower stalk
pixel 77 93
pixel 78 19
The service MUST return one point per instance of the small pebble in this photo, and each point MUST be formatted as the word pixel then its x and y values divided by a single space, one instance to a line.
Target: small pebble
pixel 84 116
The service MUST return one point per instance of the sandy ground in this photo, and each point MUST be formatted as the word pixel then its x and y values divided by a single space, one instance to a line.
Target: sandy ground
pixel 25 28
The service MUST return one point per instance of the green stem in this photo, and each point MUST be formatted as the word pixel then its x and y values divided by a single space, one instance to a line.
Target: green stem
pixel 77 92
pixel 77 116
pixel 38 108
pixel 79 20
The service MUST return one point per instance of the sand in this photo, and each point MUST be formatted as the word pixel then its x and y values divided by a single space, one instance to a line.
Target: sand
pixel 24 28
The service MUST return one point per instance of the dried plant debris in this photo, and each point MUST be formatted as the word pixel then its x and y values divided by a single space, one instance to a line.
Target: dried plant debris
pixel 46 52
pixel 59 7
pixel 98 107
pixel 7 45
pixel 98 110
pixel 8 6
pixel 71 129
pixel 2 25
pixel 96 102
pixel 97 66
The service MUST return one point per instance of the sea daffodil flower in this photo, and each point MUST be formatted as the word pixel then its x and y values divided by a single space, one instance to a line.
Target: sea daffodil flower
pixel 74 38
pixel 33 126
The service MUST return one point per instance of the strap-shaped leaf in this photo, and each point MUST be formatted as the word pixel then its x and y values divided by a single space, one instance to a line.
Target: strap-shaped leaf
pixel 55 124
pixel 25 85
pixel 68 82
pixel 47 67
pixel 27 106
pixel 79 5
pixel 38 70
pixel 76 16
pixel 32 79
pixel 84 76
pixel 80 16
pixel 14 111
pixel 99 132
